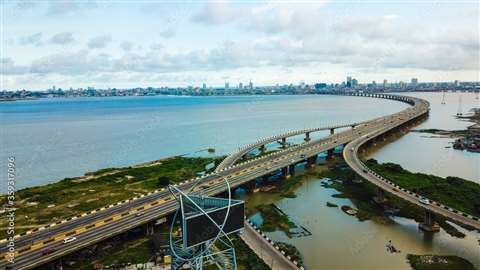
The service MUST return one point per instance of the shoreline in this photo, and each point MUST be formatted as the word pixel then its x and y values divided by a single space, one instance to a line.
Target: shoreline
pixel 465 139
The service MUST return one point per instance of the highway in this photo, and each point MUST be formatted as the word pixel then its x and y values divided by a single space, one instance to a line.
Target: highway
pixel 96 226
pixel 350 154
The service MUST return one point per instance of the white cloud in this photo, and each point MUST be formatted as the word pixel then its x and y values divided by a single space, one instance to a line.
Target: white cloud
pixel 8 67
pixel 168 33
pixel 71 63
pixel 218 12
pixel 284 38
pixel 34 39
pixel 67 7
pixel 62 38
pixel 126 46
pixel 99 42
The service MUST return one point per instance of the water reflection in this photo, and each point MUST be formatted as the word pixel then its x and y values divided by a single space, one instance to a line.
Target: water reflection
pixel 339 241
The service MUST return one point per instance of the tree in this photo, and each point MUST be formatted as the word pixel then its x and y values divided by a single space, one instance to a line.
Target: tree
pixel 163 181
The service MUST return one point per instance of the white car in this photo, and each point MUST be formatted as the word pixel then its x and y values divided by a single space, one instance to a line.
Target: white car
pixel 69 239
pixel 424 201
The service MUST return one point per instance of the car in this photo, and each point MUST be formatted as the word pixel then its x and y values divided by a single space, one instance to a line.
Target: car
pixel 395 190
pixel 69 239
pixel 365 170
pixel 138 214
pixel 48 251
pixel 424 201
pixel 302 156
pixel 352 149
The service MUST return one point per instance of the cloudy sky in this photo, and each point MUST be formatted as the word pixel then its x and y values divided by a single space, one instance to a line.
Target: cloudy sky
pixel 168 43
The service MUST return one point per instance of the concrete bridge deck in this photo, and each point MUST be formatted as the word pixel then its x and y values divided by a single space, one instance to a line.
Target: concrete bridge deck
pixel 265 250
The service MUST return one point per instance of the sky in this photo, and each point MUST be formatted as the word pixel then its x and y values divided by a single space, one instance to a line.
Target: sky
pixel 144 43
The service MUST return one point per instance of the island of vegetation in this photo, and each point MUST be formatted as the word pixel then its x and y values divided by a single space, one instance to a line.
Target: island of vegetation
pixel 467 139
pixel 436 262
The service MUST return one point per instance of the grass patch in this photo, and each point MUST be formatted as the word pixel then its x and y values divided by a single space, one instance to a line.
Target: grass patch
pixel 73 196
pixel 291 251
pixel 138 251
pixel 455 192
pixel 246 258
pixel 361 193
pixel 274 220
pixel 436 262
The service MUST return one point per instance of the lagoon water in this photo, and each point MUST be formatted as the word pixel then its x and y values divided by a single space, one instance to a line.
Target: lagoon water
pixel 56 138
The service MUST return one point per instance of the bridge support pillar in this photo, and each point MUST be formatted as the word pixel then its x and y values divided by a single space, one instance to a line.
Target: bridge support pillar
pixel 380 196
pixel 56 264
pixel 307 137
pixel 429 224
pixel 329 153
pixel 285 172
pixel 311 161
pixel 262 148
pixel 149 228
pixel 284 142
pixel 332 131
pixel 249 186
pixel 291 169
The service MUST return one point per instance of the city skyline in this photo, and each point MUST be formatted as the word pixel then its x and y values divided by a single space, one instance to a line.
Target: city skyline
pixel 88 43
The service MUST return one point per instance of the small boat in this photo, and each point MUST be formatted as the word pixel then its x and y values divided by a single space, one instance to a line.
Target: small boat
pixel 349 210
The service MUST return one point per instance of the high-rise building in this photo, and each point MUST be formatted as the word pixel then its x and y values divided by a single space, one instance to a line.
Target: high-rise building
pixel 204 86
pixel 250 85
pixel 240 86
pixel 354 82
pixel 414 81
pixel 349 81
pixel 227 85
pixel 385 83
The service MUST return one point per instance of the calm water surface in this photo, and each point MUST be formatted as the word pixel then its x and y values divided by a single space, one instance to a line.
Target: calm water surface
pixel 56 138
pixel 419 153
pixel 340 242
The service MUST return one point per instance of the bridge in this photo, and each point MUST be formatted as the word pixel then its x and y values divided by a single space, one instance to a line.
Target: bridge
pixel 31 248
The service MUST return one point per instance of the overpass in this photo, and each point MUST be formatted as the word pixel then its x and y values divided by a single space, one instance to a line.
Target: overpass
pixel 281 138
pixel 31 249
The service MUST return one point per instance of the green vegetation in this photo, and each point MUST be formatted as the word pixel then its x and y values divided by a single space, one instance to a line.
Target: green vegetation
pixel 291 251
pixel 246 258
pixel 455 192
pixel 436 262
pixel 274 220
pixel 462 196
pixel 138 251
pixel 41 205
pixel 360 194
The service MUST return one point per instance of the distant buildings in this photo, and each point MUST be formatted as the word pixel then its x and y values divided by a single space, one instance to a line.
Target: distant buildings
pixel 351 84
pixel 414 82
